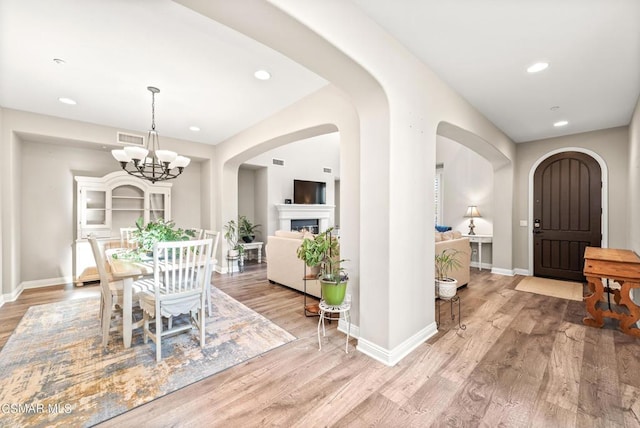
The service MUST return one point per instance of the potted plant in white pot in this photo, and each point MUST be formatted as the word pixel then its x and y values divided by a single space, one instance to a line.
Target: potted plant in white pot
pixel 231 236
pixel 323 251
pixel 445 262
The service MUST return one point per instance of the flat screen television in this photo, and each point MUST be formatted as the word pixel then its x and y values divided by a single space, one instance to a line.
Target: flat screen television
pixel 309 192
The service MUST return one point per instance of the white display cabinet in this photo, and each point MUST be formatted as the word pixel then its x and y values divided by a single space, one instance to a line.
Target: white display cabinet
pixel 106 204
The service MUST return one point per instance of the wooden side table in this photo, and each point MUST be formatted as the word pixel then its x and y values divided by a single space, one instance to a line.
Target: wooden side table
pixel 623 266
pixel 344 308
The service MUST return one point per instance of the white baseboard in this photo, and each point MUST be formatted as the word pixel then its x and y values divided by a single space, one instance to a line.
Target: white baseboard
pixel 484 265
pixel 500 271
pixel 393 356
pixel 524 272
pixel 353 332
pixel 1 300
pixel 39 283
pixel 13 296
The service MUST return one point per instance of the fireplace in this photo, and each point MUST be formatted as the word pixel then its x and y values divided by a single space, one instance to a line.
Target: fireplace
pixel 319 214
pixel 310 224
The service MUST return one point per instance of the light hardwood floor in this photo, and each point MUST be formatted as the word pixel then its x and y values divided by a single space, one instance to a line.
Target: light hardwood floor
pixel 524 360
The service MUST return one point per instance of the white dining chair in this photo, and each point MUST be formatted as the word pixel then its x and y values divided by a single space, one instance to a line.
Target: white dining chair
pixel 126 238
pixel 215 236
pixel 112 292
pixel 179 279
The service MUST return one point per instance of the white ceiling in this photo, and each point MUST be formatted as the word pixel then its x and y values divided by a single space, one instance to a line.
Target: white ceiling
pixel 114 49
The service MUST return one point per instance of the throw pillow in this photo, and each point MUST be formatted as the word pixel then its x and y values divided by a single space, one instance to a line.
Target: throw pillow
pixel 438 236
pixel 457 234
pixel 447 236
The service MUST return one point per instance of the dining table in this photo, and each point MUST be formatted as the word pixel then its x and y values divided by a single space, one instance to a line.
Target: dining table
pixel 128 271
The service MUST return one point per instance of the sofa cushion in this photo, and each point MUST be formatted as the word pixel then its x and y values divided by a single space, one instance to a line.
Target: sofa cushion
pixel 289 234
pixel 447 236
pixel 438 236
pixel 457 234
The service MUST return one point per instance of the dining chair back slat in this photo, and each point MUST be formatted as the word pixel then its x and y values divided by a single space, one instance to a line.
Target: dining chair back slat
pixel 179 274
pixel 215 236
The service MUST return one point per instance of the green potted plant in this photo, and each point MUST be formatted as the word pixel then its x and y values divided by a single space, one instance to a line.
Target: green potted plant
pixel 145 236
pixel 246 229
pixel 323 251
pixel 231 236
pixel 445 262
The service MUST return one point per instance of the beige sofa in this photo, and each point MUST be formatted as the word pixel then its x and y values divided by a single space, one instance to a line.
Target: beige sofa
pixel 283 265
pixel 456 241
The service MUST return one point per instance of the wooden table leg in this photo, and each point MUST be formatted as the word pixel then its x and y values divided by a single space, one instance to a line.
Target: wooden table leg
pixel 627 323
pixel 595 284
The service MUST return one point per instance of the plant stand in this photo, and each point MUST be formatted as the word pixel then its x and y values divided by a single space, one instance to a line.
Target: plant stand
pixel 230 262
pixel 344 308
pixel 451 301
pixel 310 310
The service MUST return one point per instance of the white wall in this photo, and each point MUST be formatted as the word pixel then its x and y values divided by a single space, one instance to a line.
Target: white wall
pixel 467 180
pixel 304 160
pixel 634 181
pixel 610 144
pixel 400 104
pixel 49 206
pixel 42 154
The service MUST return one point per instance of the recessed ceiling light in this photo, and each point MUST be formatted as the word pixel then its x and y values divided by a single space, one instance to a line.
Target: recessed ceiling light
pixel 194 128
pixel 59 61
pixel 538 66
pixel 69 101
pixel 262 75
pixel 561 123
pixel 555 108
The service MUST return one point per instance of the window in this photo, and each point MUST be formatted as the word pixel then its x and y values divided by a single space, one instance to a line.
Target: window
pixel 437 192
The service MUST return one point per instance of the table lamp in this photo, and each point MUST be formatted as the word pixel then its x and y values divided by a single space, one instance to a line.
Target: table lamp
pixel 472 211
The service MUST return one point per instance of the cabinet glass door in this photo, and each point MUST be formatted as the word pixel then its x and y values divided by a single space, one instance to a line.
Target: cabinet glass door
pixel 95 203
pixel 157 204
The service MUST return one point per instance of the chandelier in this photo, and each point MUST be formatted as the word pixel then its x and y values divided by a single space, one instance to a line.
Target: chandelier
pixel 151 163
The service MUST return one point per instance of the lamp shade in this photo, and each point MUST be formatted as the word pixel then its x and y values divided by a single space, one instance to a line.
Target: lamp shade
pixel 138 153
pixel 166 155
pixel 121 155
pixel 180 162
pixel 472 211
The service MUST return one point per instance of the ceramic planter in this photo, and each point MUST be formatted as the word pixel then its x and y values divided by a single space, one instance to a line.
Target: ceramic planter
pixel 333 293
pixel 446 288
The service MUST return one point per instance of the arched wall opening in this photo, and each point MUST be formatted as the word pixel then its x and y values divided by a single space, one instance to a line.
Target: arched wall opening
pixel 502 189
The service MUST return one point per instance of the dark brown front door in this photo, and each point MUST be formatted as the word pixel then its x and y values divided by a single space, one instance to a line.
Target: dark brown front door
pixel 567 214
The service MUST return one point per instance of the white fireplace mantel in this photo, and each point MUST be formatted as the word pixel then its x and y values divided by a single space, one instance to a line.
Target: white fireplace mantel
pixel 288 212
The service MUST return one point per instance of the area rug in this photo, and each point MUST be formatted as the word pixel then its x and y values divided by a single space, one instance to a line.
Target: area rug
pixel 551 287
pixel 54 371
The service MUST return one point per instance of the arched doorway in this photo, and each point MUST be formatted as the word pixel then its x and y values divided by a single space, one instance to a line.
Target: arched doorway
pixel 567 213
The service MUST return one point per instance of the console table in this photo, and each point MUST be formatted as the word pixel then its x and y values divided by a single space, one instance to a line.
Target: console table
pixel 255 245
pixel 480 239
pixel 623 266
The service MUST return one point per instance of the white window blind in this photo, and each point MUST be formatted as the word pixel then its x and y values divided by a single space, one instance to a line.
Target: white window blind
pixel 437 192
